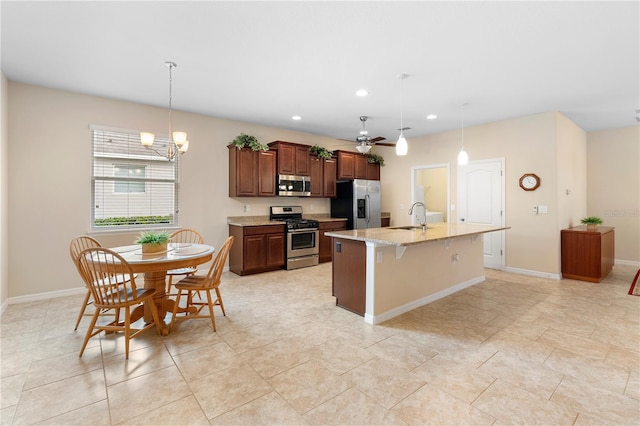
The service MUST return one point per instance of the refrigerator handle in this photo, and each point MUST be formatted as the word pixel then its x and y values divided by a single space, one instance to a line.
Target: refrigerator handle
pixel 368 207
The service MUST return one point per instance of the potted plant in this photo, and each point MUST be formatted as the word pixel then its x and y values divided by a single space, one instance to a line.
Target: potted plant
pixel 153 241
pixel 321 152
pixel 249 141
pixel 592 222
pixel 375 158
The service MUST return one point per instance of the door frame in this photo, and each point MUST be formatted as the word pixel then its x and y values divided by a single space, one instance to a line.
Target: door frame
pixel 415 169
pixel 503 217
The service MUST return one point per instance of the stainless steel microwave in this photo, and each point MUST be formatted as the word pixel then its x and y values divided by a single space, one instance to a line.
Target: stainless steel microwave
pixel 294 186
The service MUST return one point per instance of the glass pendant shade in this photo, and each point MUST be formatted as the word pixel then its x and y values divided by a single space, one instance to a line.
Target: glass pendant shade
pixel 363 148
pixel 184 147
pixel 179 138
pixel 146 138
pixel 401 146
pixel 463 158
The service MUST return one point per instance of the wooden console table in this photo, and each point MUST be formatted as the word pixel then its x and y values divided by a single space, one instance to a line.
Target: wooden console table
pixel 587 255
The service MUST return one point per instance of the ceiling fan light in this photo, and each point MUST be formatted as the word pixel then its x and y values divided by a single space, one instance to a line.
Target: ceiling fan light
pixel 363 148
pixel 146 138
pixel 401 146
pixel 463 158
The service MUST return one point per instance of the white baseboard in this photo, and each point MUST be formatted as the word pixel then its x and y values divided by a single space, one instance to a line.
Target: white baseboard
pixel 46 295
pixel 533 273
pixel 626 262
pixel 377 319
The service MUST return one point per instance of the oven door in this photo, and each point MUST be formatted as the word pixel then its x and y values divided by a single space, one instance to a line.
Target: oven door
pixel 302 242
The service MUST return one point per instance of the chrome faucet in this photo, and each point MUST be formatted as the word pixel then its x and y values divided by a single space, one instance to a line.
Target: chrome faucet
pixel 424 222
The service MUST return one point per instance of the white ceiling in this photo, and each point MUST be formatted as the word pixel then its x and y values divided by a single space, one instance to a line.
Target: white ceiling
pixel 263 62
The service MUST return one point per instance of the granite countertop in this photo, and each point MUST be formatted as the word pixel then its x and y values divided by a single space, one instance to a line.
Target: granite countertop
pixel 402 237
pixel 264 220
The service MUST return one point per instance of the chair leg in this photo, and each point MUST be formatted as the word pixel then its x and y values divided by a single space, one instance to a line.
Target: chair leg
pixel 210 303
pixel 89 331
pixel 84 306
pixel 220 301
pixel 127 331
pixel 175 309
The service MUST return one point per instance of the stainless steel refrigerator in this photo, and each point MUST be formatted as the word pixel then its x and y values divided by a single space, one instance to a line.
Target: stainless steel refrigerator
pixel 359 201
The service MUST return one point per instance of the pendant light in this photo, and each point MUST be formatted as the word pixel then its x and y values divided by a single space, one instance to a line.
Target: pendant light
pixel 463 157
pixel 401 146
pixel 178 143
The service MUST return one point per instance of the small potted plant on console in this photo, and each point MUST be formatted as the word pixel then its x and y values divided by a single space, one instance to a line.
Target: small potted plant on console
pixel 592 222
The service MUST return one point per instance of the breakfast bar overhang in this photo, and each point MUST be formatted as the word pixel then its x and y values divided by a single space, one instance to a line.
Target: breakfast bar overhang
pixel 381 273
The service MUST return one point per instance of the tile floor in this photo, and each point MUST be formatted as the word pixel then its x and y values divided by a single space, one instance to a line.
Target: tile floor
pixel 512 350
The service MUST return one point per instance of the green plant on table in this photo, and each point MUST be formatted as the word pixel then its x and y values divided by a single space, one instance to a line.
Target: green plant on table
pixel 153 237
pixel 249 141
pixel 591 220
pixel 321 152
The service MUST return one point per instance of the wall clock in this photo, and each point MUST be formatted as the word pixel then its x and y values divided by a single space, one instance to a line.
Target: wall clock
pixel 529 182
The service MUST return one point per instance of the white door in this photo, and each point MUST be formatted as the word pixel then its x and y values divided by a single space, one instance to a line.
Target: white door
pixel 481 201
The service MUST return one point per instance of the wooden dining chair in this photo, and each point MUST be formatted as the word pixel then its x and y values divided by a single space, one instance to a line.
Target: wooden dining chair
pixel 207 283
pixel 77 245
pixel 186 235
pixel 113 286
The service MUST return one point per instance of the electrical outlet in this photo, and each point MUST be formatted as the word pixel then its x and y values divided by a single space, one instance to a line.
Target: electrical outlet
pixel 535 209
pixel 247 208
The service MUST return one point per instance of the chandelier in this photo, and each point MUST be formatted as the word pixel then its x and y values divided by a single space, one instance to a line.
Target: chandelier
pixel 178 143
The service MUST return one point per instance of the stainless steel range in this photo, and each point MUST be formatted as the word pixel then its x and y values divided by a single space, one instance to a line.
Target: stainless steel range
pixel 302 236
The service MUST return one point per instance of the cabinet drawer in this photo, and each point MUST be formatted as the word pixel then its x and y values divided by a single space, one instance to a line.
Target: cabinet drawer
pixel 261 230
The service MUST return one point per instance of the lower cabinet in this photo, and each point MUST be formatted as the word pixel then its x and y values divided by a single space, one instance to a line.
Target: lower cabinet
pixel 257 249
pixel 350 274
pixel 325 242
pixel 587 255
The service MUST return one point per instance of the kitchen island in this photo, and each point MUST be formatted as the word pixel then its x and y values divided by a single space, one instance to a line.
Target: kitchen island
pixel 381 273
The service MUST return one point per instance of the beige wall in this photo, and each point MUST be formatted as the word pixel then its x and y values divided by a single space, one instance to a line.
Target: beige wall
pixel 4 190
pixel 47 194
pixel 613 183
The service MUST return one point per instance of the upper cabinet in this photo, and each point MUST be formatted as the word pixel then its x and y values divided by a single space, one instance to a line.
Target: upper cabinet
pixel 352 165
pixel 323 177
pixel 293 159
pixel 252 173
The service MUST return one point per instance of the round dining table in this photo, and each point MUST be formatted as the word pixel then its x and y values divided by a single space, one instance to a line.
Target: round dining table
pixel 155 266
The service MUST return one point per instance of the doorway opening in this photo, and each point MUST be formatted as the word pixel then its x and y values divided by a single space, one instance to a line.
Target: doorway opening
pixel 430 186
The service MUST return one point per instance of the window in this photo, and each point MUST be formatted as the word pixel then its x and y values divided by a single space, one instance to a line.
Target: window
pixel 125 171
pixel 132 187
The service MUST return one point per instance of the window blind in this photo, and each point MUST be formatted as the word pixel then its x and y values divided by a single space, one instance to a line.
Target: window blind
pixel 132 187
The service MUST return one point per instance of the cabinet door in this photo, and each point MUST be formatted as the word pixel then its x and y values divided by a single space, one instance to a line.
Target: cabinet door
pixel 254 252
pixel 243 176
pixel 267 173
pixel 316 173
pixel 373 171
pixel 286 159
pixel 329 178
pixel 361 166
pixel 275 250
pixel 346 165
pixel 302 160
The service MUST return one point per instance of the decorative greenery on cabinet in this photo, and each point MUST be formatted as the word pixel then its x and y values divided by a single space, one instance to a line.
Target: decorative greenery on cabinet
pixel 375 158
pixel 243 140
pixel 321 152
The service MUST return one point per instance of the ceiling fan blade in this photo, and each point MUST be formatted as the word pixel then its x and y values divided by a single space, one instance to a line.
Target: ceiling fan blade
pixel 379 138
pixel 386 144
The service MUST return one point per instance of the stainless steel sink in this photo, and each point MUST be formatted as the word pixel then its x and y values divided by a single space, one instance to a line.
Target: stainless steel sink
pixel 410 228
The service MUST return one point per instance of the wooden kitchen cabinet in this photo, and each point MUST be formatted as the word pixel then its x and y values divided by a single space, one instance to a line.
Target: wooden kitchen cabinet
pixel 349 274
pixel 324 246
pixel 323 177
pixel 257 249
pixel 252 173
pixel 352 165
pixel 587 255
pixel 373 171
pixel 293 158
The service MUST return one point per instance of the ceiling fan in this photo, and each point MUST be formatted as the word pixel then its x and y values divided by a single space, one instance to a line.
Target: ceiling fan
pixel 365 142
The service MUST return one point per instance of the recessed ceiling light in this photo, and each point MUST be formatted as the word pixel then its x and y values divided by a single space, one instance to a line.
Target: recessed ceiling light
pixel 296 117
pixel 431 117
pixel 362 92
